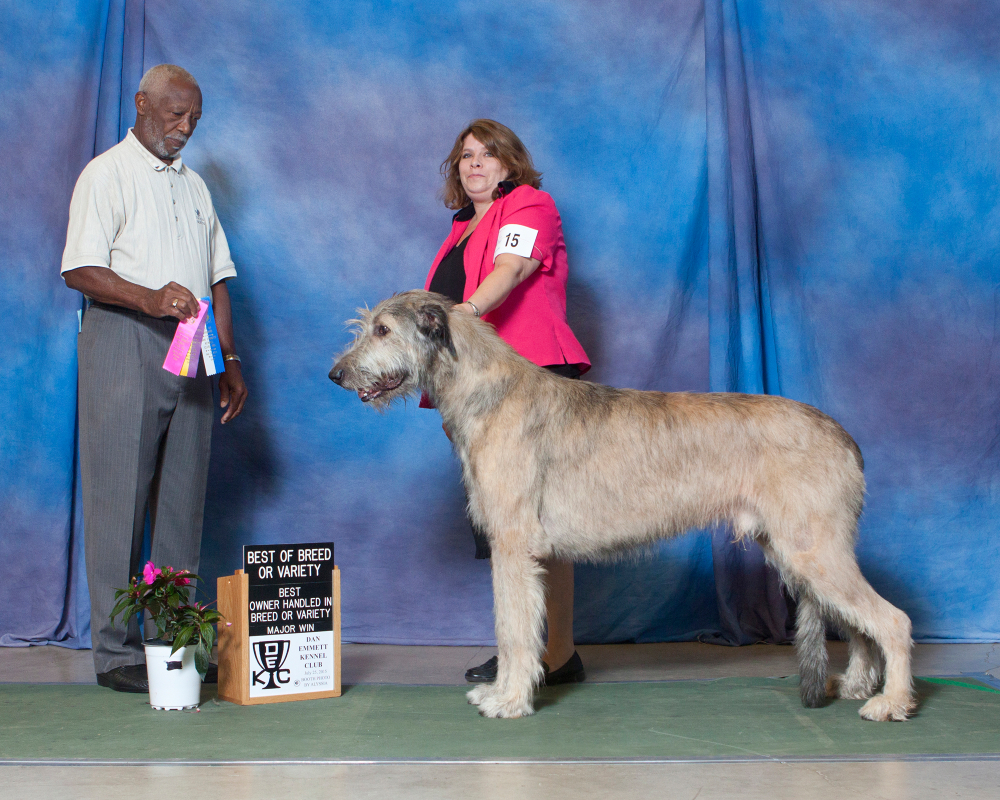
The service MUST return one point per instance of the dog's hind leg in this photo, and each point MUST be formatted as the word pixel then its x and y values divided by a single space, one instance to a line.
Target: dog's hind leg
pixel 810 646
pixel 864 668
pixel 519 608
pixel 835 580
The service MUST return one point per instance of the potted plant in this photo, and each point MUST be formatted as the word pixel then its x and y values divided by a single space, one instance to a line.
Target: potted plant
pixel 177 659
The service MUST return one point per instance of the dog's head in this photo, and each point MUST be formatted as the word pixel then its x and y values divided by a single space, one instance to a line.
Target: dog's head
pixel 396 347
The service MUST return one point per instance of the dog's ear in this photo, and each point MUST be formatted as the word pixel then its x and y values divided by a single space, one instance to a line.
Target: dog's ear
pixel 432 322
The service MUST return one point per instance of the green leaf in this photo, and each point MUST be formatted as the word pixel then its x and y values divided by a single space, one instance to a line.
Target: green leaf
pixel 119 607
pixel 182 638
pixel 207 634
pixel 201 660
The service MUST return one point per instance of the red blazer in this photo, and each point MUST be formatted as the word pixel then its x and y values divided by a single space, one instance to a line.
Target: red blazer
pixel 532 319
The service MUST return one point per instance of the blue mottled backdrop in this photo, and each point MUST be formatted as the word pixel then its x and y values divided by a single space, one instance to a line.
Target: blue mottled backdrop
pixel 798 199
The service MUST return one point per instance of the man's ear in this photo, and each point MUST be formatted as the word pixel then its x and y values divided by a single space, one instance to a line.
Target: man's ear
pixel 432 322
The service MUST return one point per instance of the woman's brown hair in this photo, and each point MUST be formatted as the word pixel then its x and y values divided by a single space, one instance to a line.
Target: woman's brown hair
pixel 503 143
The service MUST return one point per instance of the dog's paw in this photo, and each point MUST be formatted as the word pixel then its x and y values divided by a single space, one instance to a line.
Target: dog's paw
pixel 883 709
pixel 499 707
pixel 479 693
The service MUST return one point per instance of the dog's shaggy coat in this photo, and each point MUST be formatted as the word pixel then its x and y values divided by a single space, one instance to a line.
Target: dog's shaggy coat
pixel 575 470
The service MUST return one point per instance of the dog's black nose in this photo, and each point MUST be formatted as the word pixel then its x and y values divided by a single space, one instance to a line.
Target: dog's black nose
pixel 336 375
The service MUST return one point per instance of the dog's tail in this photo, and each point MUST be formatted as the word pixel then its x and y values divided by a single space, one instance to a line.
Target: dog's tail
pixel 810 644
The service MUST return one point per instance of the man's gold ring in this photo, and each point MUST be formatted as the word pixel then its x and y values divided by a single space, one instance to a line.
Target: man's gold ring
pixel 174 304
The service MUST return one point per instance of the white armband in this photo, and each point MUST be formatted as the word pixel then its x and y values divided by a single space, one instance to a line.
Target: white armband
pixel 516 239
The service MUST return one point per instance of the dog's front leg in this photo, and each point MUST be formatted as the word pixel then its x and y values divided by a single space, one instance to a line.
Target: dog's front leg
pixel 519 607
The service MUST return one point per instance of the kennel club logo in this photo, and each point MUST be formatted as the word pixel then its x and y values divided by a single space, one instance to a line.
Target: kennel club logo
pixel 271 657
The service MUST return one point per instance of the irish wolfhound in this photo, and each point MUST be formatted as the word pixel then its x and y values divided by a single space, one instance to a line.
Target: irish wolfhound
pixel 575 470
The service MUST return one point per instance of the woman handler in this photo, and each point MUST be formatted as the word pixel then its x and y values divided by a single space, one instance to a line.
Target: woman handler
pixel 505 261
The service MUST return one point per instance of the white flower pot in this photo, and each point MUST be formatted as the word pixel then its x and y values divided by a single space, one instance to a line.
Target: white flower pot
pixel 174 682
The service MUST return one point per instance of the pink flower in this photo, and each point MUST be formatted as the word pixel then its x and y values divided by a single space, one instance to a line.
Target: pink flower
pixel 150 573
pixel 181 580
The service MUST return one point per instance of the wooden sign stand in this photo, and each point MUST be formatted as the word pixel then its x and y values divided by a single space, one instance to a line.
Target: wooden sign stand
pixel 234 644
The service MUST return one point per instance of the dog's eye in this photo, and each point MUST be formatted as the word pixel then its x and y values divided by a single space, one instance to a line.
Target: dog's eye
pixel 381 330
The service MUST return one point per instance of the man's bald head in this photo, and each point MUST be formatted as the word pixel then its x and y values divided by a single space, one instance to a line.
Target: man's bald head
pixel 168 107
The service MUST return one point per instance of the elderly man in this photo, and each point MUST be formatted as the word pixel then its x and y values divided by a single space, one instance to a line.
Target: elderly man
pixel 143 245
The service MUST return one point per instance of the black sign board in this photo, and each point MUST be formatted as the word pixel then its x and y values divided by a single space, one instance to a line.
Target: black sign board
pixel 290 588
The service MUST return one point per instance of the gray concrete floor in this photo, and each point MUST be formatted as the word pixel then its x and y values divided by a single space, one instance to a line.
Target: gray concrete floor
pixel 445 666
pixel 758 781
pixel 829 780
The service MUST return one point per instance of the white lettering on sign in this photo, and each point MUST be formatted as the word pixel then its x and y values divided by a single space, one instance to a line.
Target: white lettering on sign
pixel 297 570
pixel 315 554
pixel 275 629
pixel 312 613
pixel 516 239
pixel 301 602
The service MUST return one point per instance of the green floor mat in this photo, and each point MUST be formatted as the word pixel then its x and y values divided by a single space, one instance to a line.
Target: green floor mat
pixel 735 718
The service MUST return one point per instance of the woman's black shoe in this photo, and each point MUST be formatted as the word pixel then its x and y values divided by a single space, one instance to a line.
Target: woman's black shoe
pixel 570 672
pixel 484 673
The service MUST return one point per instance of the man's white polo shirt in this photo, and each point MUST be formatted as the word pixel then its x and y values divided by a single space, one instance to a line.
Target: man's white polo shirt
pixel 150 222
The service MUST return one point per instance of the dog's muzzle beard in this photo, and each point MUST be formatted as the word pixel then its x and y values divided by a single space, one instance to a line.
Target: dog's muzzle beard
pixel 371 390
pixel 380 388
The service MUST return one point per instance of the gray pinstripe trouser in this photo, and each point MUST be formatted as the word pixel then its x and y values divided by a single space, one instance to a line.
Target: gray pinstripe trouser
pixel 145 437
